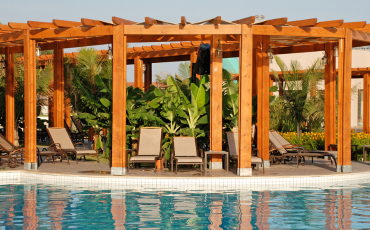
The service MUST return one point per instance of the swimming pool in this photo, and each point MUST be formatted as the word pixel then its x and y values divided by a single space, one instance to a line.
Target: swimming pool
pixel 45 206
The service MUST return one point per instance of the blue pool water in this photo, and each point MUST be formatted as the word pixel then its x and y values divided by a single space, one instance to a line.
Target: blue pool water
pixel 46 207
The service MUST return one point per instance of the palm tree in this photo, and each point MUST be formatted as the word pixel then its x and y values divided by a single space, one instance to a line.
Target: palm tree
pixel 298 85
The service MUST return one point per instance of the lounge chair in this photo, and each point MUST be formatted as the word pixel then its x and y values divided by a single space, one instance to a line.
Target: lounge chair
pixel 232 140
pixel 149 146
pixel 12 153
pixel 185 152
pixel 332 155
pixel 277 147
pixel 60 136
pixel 81 134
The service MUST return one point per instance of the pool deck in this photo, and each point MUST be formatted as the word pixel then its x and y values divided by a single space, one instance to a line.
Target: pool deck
pixel 320 167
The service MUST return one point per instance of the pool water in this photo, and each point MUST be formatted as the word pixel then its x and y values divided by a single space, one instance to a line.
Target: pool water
pixel 48 207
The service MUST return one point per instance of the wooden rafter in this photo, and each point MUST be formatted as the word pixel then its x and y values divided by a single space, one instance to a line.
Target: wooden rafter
pixel 91 22
pixel 273 22
pixel 248 20
pixel 45 25
pixel 183 21
pixel 121 21
pixel 353 25
pixel 305 23
pixel 334 23
pixel 66 24
pixel 20 26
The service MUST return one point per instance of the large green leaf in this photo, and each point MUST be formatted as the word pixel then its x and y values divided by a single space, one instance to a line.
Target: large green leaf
pixel 105 102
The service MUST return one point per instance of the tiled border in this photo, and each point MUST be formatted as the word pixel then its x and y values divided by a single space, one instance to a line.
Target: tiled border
pixel 186 184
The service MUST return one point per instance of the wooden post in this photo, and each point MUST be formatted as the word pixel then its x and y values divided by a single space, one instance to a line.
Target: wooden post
pixel 366 115
pixel 9 96
pixel 51 104
pixel 257 39
pixel 119 102
pixel 215 104
pixel 147 75
pixel 30 138
pixel 138 80
pixel 245 101
pixel 344 103
pixel 67 111
pixel 330 85
pixel 193 60
pixel 263 100
pixel 58 98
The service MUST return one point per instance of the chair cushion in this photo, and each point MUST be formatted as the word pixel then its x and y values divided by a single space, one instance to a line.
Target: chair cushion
pixel 256 160
pixel 143 158
pixel 87 151
pixel 190 160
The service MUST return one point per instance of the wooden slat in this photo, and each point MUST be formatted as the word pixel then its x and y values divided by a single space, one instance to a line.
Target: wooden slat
pixel 166 47
pixel 45 25
pixel 91 22
pixel 66 24
pixel 248 20
pixel 245 100
pixel 147 48
pixel 334 23
pixel 9 96
pixel 7 28
pixel 305 23
pixel 186 44
pixel 157 47
pixel 150 21
pixel 215 103
pixel 353 25
pixel 20 26
pixel 30 138
pixel 119 102
pixel 176 45
pixel 273 22
pixel 361 36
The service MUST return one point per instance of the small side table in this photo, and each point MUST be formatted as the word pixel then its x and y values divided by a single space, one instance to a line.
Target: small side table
pixel 364 153
pixel 355 146
pixel 215 153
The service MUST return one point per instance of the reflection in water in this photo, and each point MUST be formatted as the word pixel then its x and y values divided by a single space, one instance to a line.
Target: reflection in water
pixel 41 206
pixel 30 219
pixel 118 209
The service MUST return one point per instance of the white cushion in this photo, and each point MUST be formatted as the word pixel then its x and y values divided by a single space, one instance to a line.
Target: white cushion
pixel 191 160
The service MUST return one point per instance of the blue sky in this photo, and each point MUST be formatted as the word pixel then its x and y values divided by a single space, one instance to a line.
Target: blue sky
pixel 41 10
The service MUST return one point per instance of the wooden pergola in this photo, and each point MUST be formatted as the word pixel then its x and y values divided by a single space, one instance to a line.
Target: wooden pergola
pixel 252 40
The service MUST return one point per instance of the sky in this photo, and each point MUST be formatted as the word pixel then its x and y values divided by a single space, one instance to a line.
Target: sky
pixel 193 10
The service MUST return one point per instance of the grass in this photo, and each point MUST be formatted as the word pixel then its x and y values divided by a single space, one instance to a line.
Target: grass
pixel 101 158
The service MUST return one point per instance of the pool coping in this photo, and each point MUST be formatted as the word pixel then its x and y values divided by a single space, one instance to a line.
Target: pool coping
pixel 100 182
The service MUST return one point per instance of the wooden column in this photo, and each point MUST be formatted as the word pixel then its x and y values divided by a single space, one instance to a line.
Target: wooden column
pixel 147 75
pixel 138 80
pixel 245 101
pixel 58 98
pixel 67 111
pixel 193 60
pixel 215 104
pixel 330 85
pixel 366 114
pixel 9 96
pixel 257 40
pixel 344 103
pixel 30 138
pixel 51 104
pixel 263 100
pixel 119 102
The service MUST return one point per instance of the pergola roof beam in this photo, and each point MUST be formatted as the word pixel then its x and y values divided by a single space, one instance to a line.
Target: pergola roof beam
pixel 66 24
pixel 91 22
pixel 183 21
pixel 273 22
pixel 121 21
pixel 44 25
pixel 353 25
pixel 334 23
pixel 7 28
pixel 248 20
pixel 304 23
pixel 21 26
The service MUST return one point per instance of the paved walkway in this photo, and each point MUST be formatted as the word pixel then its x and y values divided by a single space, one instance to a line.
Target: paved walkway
pixel 320 167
